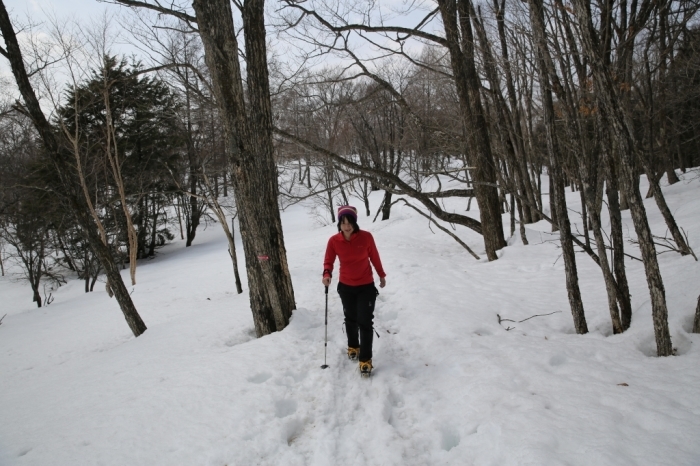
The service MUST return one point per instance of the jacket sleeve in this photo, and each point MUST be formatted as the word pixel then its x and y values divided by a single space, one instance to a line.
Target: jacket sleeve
pixel 374 257
pixel 329 259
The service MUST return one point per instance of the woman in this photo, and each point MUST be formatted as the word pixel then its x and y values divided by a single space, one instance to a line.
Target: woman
pixel 356 250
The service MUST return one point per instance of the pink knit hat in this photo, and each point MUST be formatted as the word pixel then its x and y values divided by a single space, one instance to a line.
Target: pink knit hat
pixel 347 210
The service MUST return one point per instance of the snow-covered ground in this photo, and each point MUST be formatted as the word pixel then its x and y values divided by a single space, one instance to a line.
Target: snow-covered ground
pixel 450 386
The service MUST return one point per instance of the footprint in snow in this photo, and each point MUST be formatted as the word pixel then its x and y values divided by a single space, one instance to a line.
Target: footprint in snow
pixel 450 438
pixel 260 378
pixel 284 408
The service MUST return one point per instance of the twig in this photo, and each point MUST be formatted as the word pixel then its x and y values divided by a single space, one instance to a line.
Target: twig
pixel 504 320
pixel 47 300
pixel 1 318
pixel 668 244
pixel 501 319
pixel 685 234
pixel 538 315
pixel 444 172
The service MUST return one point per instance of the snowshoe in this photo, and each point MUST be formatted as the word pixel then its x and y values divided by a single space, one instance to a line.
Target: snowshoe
pixel 366 368
pixel 353 353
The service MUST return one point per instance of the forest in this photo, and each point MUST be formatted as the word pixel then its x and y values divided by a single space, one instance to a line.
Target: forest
pixel 105 158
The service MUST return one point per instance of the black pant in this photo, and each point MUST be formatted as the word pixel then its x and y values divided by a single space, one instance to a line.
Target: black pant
pixel 358 307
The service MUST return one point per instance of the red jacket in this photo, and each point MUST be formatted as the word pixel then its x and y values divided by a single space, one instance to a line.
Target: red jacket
pixel 355 257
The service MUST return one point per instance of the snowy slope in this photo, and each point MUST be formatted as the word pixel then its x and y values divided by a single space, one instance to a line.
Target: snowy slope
pixel 450 386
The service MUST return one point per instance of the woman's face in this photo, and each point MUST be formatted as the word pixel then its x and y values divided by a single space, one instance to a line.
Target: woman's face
pixel 346 226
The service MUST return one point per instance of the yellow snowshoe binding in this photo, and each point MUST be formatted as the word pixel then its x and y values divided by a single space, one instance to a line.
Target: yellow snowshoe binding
pixel 366 368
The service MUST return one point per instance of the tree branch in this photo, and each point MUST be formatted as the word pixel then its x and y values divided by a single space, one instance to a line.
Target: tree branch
pixel 432 220
pixel 157 7
pixel 389 177
pixel 408 32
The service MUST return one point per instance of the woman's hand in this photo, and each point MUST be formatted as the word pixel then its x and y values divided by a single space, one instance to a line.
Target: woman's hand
pixel 326 281
pixel 382 282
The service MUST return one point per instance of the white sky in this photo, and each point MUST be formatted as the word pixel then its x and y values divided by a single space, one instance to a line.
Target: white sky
pixel 82 9
pixel 40 12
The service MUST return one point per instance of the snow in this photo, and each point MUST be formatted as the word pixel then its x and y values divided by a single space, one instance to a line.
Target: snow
pixel 451 385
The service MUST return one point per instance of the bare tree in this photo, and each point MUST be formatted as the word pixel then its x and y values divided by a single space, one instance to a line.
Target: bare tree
pixel 29 236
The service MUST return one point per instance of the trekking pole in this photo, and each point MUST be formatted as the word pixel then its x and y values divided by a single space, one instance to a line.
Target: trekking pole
pixel 325 345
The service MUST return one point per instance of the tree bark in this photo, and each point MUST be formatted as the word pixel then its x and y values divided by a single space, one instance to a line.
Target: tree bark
pixel 154 230
pixel 460 43
pixel 195 172
pixel 119 181
pixel 67 176
pixel 249 139
pixel 37 295
pixel 617 240
pixel 234 259
pixel 673 228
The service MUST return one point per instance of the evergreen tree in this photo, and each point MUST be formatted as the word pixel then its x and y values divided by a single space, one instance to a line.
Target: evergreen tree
pixel 145 143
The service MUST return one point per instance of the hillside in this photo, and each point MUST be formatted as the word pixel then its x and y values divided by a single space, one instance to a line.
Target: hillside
pixel 451 385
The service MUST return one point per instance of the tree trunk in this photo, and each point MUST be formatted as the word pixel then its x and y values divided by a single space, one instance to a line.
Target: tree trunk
pixel 365 196
pixel 86 272
pixel 179 216
pixel 119 180
pixel 618 257
pixel 386 205
pixel 154 231
pixel 194 173
pixel 249 141
pixel 671 172
pixel 552 203
pixel 37 296
pixel 34 281
pixel 523 235
pixel 143 223
pixel 556 176
pixel 585 216
pixel 234 259
pixel 460 44
pixel 660 199
pixel 610 284
pixel 67 177
pixel 588 166
pixel 512 214
pixel 94 277
pixel 114 277
pixel 567 246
